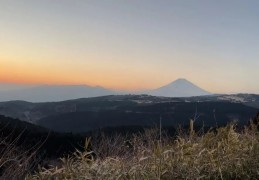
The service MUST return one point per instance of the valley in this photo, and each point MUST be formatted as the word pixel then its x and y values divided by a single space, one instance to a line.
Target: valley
pixel 86 114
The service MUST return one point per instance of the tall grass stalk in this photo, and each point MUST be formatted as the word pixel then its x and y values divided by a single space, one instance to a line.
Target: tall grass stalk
pixel 221 154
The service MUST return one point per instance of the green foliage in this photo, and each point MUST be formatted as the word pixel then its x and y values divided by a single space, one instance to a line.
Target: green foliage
pixel 221 154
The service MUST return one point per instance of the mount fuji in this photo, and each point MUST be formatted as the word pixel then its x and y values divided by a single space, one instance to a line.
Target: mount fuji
pixel 178 88
pixel 54 93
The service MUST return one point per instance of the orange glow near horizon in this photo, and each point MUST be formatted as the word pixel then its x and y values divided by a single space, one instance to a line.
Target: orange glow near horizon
pixel 116 77
pixel 104 44
pixel 51 73
pixel 19 73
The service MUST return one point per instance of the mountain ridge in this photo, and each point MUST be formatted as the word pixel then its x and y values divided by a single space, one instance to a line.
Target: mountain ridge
pixel 54 93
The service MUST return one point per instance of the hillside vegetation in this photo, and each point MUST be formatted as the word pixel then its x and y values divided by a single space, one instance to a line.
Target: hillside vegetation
pixel 222 153
pixel 89 114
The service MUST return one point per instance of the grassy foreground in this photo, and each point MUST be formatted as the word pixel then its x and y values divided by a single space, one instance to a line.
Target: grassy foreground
pixel 223 153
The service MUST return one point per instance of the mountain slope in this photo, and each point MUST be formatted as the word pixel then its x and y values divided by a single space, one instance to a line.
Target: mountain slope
pixel 210 114
pixel 178 88
pixel 87 114
pixel 54 93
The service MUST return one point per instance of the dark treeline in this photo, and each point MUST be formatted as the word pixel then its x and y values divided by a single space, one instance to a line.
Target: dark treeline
pixel 50 144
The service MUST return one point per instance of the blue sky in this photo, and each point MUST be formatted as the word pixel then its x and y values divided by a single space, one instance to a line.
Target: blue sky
pixel 131 44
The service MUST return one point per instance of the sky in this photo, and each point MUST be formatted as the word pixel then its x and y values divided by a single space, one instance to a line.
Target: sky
pixel 131 45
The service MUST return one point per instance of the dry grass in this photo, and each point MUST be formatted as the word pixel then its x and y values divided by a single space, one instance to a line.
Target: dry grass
pixel 15 162
pixel 221 154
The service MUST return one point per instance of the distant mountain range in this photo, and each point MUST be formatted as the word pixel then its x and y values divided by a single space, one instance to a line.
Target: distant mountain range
pixel 54 93
pixel 83 115
pixel 50 93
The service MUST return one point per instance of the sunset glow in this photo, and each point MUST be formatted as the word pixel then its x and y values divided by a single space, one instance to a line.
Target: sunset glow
pixel 131 45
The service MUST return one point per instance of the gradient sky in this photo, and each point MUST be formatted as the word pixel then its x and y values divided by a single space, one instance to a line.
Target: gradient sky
pixel 134 44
